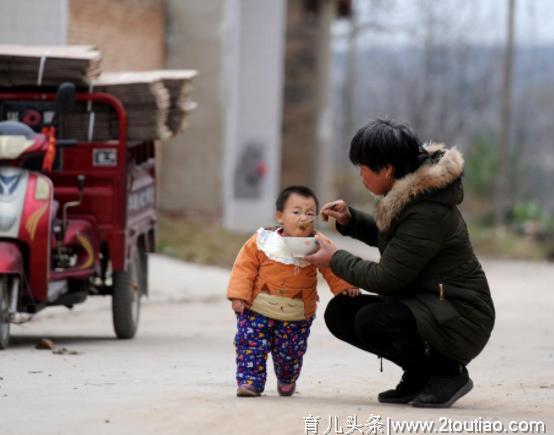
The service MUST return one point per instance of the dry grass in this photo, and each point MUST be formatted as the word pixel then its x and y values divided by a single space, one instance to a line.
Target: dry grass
pixel 502 243
pixel 197 242
pixel 211 244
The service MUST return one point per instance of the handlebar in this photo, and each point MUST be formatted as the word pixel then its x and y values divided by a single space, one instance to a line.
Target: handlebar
pixel 66 143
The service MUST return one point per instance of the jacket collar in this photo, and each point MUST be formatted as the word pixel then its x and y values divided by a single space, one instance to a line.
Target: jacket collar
pixel 431 175
pixel 271 243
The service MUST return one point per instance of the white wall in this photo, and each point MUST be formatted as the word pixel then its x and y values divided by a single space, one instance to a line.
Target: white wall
pixel 39 22
pixel 253 81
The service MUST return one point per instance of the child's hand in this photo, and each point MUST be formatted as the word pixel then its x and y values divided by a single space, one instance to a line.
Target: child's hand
pixel 238 305
pixel 352 292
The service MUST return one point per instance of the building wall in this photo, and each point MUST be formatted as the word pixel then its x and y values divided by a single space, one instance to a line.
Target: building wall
pixel 36 22
pixel 130 33
pixel 191 163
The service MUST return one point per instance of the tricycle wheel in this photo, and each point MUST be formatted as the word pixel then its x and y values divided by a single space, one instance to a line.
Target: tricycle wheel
pixel 126 299
pixel 144 271
pixel 4 312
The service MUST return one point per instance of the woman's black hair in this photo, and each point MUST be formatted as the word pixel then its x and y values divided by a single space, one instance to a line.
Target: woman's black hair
pixel 304 191
pixel 382 142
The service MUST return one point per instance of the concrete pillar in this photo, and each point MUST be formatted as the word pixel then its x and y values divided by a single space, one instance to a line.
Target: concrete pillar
pixel 253 96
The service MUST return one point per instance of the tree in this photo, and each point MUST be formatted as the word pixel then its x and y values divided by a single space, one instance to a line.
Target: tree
pixel 502 201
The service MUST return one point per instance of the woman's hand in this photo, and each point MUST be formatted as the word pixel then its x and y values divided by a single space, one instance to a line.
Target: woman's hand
pixel 238 305
pixel 338 210
pixel 352 292
pixel 322 257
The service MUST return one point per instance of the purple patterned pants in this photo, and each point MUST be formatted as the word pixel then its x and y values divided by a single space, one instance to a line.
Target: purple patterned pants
pixel 257 335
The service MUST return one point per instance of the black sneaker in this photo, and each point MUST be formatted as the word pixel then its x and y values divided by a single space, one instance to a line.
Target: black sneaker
pixel 443 392
pixel 410 386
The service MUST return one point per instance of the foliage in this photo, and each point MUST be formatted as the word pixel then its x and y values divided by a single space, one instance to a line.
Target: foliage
pixel 530 211
pixel 481 165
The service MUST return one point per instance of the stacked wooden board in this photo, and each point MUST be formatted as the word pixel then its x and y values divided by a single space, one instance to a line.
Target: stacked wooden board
pixel 146 102
pixel 179 85
pixel 157 103
pixel 22 65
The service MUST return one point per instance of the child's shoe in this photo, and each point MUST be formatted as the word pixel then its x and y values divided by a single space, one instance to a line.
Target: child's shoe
pixel 246 390
pixel 286 389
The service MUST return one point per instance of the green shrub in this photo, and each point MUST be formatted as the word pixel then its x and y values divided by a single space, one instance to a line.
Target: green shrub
pixel 481 166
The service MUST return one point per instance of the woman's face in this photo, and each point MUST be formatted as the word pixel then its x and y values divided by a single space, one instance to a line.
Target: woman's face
pixel 378 183
pixel 298 216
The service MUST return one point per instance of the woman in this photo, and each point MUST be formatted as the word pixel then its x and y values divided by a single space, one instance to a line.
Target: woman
pixel 432 312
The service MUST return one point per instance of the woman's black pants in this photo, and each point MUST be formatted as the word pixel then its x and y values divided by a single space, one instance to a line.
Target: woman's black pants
pixel 388 329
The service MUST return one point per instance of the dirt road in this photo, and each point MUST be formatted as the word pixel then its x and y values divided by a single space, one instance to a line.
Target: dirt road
pixel 177 375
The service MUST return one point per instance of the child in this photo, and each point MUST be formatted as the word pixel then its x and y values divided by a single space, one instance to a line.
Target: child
pixel 274 296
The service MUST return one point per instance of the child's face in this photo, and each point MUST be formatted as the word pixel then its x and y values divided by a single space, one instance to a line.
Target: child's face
pixel 298 216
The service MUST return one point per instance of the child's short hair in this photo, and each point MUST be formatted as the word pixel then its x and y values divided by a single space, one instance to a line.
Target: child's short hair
pixel 304 191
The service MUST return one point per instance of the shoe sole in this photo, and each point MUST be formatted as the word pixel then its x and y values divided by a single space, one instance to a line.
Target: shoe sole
pixel 460 393
pixel 286 393
pixel 247 393
pixel 399 400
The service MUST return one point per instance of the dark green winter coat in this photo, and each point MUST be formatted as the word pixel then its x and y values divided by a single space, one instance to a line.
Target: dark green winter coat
pixel 427 260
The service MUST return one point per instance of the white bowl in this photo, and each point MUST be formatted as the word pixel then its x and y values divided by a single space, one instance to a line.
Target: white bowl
pixel 301 246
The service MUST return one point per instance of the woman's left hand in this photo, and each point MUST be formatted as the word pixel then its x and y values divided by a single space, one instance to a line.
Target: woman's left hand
pixel 322 257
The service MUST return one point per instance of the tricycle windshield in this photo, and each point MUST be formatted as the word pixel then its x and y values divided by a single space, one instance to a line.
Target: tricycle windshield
pixel 17 139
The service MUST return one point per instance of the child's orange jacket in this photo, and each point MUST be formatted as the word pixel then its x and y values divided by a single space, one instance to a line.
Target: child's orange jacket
pixel 265 265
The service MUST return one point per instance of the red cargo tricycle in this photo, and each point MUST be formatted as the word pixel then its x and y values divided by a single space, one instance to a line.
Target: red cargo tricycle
pixel 77 218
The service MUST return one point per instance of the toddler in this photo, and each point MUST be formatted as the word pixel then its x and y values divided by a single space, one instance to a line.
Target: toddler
pixel 274 297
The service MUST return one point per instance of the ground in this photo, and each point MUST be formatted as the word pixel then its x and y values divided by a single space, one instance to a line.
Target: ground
pixel 177 375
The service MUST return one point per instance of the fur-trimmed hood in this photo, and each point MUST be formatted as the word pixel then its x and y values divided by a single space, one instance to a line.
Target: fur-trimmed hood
pixel 443 168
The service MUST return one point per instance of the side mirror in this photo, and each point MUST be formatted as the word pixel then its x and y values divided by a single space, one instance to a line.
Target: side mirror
pixel 65 98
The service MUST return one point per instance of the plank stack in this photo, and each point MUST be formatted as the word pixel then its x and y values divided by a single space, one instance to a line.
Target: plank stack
pixel 22 65
pixel 179 85
pixel 157 103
